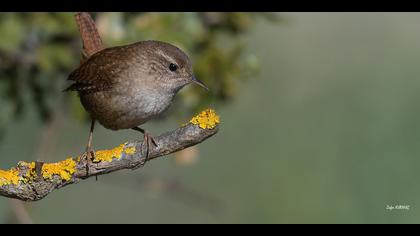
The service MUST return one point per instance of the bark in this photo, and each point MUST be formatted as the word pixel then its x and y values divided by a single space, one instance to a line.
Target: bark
pixel 38 186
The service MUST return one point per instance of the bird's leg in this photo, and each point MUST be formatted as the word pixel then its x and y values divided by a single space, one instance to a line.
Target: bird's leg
pixel 90 154
pixel 147 139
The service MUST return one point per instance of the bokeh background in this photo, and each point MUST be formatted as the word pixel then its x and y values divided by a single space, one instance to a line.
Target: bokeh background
pixel 320 119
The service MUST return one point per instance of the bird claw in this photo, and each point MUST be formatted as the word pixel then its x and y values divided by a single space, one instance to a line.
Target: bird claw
pixel 89 155
pixel 147 141
pixel 153 141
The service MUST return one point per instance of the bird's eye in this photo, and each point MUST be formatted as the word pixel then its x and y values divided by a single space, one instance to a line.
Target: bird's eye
pixel 173 67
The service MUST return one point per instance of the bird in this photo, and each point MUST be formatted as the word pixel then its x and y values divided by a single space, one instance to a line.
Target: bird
pixel 123 87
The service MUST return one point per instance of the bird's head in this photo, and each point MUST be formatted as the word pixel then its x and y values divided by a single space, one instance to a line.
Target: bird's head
pixel 170 66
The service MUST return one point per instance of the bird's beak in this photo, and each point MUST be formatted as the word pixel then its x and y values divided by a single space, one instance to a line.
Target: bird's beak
pixel 198 82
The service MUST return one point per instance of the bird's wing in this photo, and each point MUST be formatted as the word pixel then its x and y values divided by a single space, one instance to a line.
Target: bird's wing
pixel 98 73
pixel 88 86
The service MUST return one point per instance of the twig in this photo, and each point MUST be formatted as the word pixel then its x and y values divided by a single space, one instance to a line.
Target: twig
pixel 22 182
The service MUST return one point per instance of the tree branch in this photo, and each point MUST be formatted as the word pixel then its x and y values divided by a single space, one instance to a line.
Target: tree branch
pixel 29 182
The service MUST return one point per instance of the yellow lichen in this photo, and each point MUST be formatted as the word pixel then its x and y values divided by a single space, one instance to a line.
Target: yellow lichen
pixel 9 177
pixel 30 174
pixel 207 119
pixel 108 155
pixel 130 150
pixel 65 169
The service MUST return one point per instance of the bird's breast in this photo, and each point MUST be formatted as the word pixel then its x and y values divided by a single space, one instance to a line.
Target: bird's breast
pixel 126 109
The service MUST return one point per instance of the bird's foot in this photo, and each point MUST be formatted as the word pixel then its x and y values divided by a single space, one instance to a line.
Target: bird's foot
pixel 148 140
pixel 88 156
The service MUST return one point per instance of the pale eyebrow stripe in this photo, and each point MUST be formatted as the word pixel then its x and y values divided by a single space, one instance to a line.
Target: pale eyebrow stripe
pixel 170 59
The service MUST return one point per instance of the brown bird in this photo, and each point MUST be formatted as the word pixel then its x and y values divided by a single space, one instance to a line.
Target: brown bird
pixel 124 87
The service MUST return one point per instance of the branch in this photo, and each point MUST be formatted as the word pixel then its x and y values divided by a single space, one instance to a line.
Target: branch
pixel 33 181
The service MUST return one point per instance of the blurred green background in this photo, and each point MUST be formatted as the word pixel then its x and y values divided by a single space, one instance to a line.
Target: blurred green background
pixel 324 130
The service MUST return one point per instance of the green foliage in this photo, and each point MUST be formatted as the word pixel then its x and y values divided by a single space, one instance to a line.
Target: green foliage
pixel 39 50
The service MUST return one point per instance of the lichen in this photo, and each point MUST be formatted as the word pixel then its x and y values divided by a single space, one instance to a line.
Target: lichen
pixel 207 119
pixel 25 171
pixel 30 174
pixel 109 155
pixel 9 177
pixel 65 169
pixel 130 150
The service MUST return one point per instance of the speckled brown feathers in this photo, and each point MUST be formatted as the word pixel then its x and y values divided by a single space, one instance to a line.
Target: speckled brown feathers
pixel 124 87
pixel 99 73
pixel 108 66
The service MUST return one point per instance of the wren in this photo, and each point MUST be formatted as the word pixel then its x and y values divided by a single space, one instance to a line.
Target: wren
pixel 123 87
